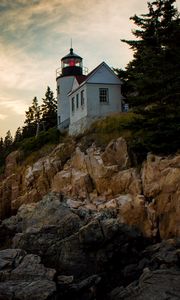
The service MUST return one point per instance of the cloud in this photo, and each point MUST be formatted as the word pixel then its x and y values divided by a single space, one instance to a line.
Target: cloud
pixel 15 105
pixel 3 117
pixel 35 34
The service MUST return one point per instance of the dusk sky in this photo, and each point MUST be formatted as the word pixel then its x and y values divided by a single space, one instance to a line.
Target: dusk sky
pixel 35 34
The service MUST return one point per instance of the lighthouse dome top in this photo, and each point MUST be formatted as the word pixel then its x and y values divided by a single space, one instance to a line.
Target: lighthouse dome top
pixel 71 55
pixel 71 64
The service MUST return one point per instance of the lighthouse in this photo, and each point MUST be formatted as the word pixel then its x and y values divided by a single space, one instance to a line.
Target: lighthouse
pixel 84 97
pixel 71 68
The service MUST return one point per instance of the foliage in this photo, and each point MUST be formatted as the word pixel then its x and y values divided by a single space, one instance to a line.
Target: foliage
pixel 40 118
pixel 29 145
pixel 32 119
pixel 49 110
pixel 104 130
pixel 152 79
pixel 6 146
pixel 37 131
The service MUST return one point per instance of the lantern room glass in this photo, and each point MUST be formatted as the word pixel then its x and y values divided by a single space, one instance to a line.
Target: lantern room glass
pixel 71 62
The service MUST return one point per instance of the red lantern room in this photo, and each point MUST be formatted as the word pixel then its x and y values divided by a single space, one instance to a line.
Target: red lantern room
pixel 71 64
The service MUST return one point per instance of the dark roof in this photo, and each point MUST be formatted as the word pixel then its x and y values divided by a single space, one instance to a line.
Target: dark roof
pixel 80 78
pixel 71 54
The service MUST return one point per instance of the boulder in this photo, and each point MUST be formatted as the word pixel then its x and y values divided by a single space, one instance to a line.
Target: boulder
pixel 23 276
pixel 108 179
pixel 159 284
pixel 160 180
pixel 74 183
pixel 116 153
pixel 11 163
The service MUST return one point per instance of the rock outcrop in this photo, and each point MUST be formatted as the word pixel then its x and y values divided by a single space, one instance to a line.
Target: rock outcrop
pixel 160 277
pixel 93 253
pixel 147 198
pixel 161 187
pixel 22 276
pixel 159 284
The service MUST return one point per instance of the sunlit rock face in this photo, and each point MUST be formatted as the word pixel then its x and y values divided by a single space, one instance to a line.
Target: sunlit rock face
pixel 161 186
pixel 146 197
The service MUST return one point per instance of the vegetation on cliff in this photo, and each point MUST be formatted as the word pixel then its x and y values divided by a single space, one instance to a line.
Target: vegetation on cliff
pixel 151 87
pixel 39 129
pixel 152 79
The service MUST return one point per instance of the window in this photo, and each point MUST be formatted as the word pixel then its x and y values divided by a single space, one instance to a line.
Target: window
pixel 58 89
pixel 77 101
pixel 103 95
pixel 73 106
pixel 82 98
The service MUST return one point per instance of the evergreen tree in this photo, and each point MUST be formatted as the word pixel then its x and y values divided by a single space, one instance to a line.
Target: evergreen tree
pixel 153 78
pixel 1 146
pixel 49 110
pixel 1 153
pixel 8 141
pixel 18 135
pixel 32 119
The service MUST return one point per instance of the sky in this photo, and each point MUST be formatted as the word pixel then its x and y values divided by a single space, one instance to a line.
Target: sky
pixel 36 34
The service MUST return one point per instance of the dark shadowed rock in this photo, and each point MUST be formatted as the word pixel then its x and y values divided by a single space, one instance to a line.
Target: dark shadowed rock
pixel 23 276
pixel 26 290
pixel 156 285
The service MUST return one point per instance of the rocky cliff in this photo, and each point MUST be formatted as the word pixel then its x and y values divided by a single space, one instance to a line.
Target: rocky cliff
pixel 90 225
pixel 146 197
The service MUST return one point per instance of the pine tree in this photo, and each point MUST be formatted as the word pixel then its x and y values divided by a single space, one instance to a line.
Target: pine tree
pixel 1 145
pixel 8 141
pixel 32 119
pixel 49 110
pixel 1 153
pixel 153 78
pixel 18 135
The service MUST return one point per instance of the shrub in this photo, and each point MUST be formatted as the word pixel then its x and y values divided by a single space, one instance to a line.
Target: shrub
pixel 104 130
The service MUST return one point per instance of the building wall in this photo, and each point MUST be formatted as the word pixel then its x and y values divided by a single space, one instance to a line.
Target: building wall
pixel 63 111
pixel 104 75
pixel 80 111
pixel 80 125
pixel 95 107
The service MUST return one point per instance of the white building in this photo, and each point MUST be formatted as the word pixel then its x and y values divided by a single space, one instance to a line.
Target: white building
pixel 84 98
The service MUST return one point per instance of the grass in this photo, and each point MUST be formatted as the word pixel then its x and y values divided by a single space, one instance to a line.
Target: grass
pixel 101 132
pixel 104 130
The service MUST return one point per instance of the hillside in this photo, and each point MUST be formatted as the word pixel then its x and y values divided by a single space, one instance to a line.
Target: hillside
pixel 96 219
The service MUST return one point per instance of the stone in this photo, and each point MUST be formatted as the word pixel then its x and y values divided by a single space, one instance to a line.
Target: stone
pixel 63 279
pixel 160 179
pixel 78 161
pixel 23 276
pixel 74 204
pixel 159 284
pixel 11 163
pixel 25 290
pixel 111 204
pixel 116 153
pixel 91 234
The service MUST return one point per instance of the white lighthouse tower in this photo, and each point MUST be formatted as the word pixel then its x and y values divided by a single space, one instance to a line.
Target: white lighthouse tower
pixel 71 67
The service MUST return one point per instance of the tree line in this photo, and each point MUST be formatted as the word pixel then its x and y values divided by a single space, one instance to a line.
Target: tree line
pixel 152 79
pixel 151 86
pixel 38 118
